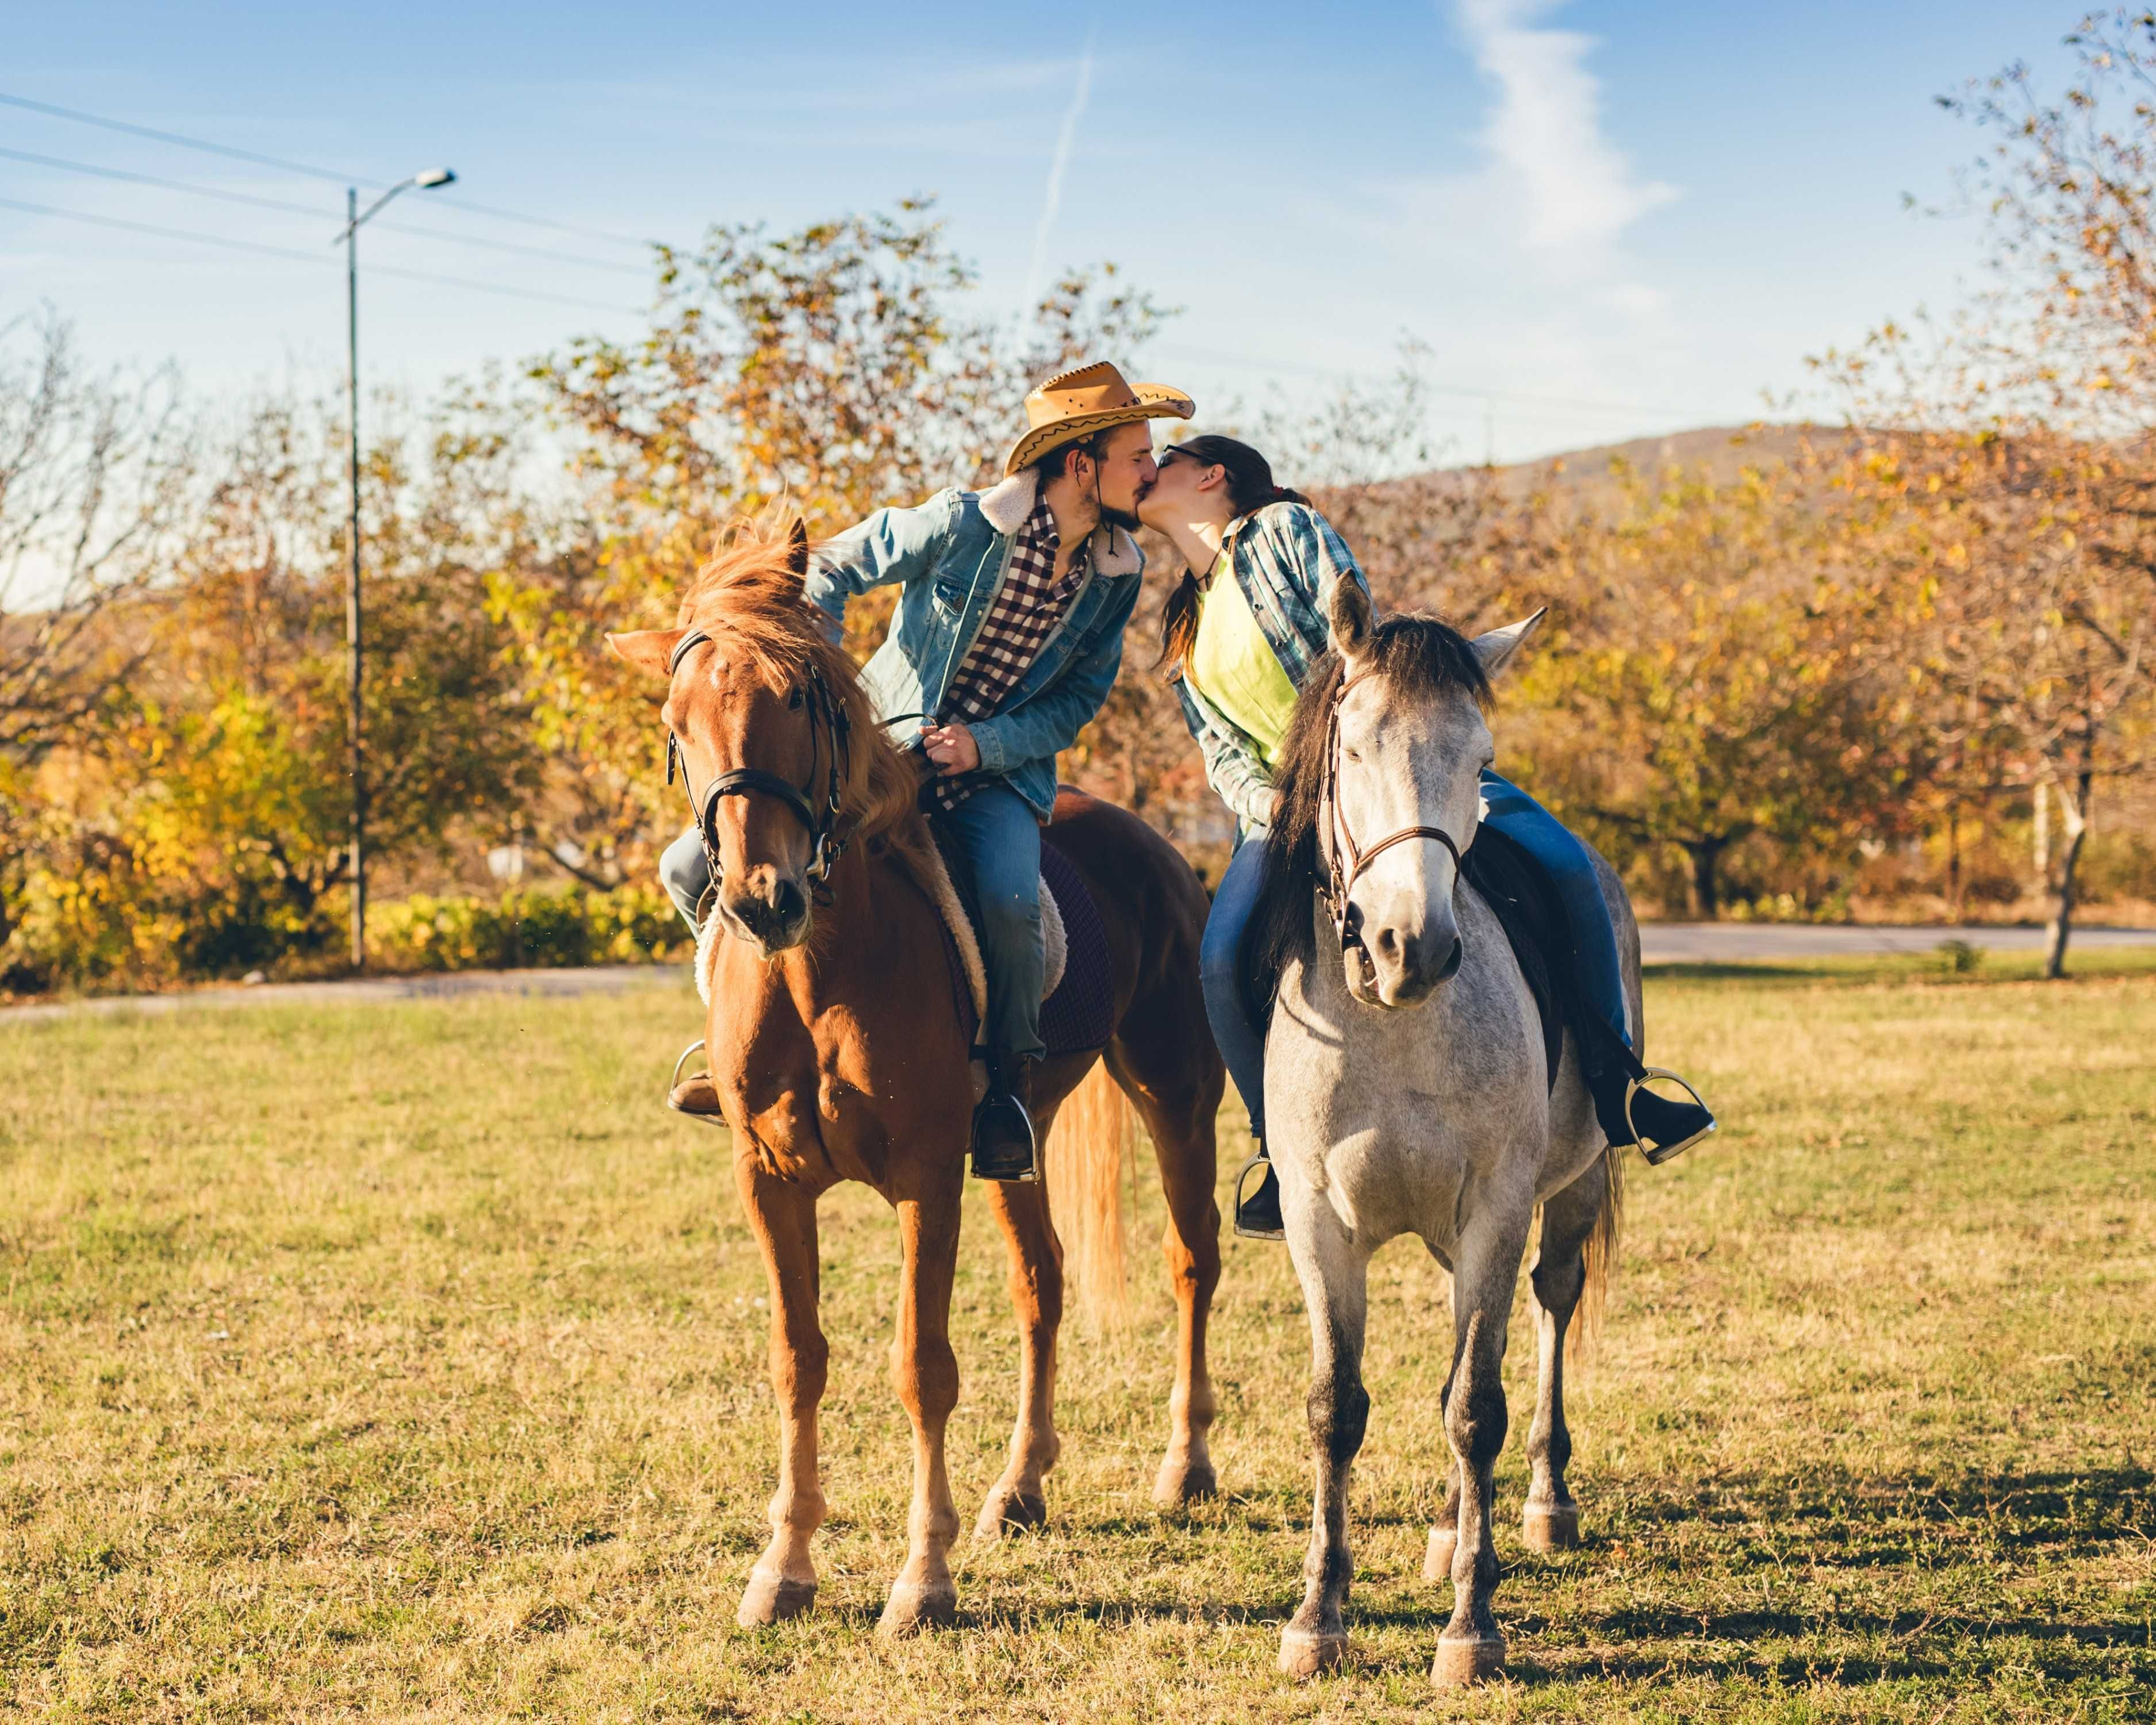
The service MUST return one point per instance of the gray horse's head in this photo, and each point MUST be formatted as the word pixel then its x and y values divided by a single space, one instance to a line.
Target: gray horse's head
pixel 1414 742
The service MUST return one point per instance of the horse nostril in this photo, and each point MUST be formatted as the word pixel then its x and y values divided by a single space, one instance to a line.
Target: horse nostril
pixel 788 906
pixel 1452 960
pixel 1388 944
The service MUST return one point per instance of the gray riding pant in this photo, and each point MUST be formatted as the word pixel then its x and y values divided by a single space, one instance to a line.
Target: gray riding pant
pixel 685 873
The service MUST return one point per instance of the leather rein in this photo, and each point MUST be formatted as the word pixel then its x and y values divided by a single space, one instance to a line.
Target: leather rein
pixel 827 715
pixel 1344 860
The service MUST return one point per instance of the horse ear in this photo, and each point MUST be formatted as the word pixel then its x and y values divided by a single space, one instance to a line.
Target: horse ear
pixel 650 650
pixel 1495 649
pixel 1350 615
pixel 797 548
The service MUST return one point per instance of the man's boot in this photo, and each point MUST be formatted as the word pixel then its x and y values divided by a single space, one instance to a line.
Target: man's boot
pixel 1004 1146
pixel 695 1096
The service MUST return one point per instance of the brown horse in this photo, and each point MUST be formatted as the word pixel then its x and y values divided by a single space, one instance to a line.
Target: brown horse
pixel 840 1051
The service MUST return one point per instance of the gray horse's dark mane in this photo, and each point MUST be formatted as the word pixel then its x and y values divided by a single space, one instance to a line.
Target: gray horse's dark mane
pixel 1420 658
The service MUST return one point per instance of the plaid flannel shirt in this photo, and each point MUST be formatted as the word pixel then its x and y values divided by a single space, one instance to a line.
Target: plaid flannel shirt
pixel 1026 611
pixel 1286 557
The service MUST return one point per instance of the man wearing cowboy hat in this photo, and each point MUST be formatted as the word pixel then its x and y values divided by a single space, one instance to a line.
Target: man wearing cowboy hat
pixel 1008 635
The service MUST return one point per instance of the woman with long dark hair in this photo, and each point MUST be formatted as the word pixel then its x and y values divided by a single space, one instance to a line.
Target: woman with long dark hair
pixel 1241 632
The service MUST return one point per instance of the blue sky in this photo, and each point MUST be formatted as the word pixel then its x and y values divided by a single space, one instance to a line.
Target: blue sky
pixel 1603 219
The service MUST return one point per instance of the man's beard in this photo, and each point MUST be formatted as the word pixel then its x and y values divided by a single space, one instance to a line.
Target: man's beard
pixel 1126 519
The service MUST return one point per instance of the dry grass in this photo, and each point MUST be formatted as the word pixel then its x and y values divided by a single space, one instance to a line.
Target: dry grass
pixel 407 1361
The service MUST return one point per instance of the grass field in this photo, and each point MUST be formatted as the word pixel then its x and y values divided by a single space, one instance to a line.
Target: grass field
pixel 407 1362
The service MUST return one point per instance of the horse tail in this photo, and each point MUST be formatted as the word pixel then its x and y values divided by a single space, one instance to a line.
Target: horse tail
pixel 1095 1130
pixel 1601 1249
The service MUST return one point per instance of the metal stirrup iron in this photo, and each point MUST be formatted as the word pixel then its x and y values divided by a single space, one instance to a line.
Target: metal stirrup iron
pixel 1663 1153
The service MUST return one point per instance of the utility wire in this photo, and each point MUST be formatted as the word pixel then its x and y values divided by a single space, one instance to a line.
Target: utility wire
pixel 1290 368
pixel 321 211
pixel 297 256
pixel 298 167
pixel 174 137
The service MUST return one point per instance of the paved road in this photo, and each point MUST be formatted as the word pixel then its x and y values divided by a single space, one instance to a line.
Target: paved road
pixel 1662 943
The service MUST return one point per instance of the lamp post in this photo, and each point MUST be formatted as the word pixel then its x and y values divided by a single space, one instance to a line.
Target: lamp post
pixel 425 182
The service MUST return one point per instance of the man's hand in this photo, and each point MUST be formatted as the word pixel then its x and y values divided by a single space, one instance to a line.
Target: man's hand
pixel 951 747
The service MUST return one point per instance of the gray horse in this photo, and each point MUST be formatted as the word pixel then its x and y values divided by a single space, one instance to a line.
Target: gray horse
pixel 1407 1092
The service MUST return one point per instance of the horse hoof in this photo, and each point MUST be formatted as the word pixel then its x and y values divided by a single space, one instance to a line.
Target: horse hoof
pixel 771 1599
pixel 1307 1653
pixel 1549 1526
pixel 1183 1483
pixel 913 1607
pixel 1437 1561
pixel 1008 1512
pixel 1467 1660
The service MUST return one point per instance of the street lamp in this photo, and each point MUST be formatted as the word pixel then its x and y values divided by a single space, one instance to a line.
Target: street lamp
pixel 349 239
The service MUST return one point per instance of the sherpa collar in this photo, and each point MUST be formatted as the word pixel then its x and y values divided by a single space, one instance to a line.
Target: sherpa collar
pixel 1005 504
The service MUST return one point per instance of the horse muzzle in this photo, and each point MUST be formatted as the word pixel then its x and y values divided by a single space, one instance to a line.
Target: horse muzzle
pixel 1398 968
pixel 772 914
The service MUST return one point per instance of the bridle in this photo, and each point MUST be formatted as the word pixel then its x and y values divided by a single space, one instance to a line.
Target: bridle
pixel 827 714
pixel 1338 843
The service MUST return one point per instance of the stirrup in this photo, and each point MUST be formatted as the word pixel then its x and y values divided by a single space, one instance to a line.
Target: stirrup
pixel 1258 1160
pixel 1663 1153
pixel 674 1084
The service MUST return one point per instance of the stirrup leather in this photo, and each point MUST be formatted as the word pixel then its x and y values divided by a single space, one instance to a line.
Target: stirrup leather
pixel 1260 1161
pixel 674 1083
pixel 1663 1153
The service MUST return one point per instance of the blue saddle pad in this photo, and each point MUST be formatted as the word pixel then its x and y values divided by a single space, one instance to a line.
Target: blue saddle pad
pixel 1081 1013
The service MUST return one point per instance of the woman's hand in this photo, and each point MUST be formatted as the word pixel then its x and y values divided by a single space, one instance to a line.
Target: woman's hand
pixel 951 747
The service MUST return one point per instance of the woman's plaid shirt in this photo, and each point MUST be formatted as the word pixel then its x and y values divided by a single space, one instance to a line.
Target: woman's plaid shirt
pixel 1025 613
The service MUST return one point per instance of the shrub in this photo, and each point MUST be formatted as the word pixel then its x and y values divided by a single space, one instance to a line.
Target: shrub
pixel 627 926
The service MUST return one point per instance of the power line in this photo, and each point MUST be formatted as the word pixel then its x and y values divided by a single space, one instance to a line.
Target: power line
pixel 298 167
pixel 187 143
pixel 1290 368
pixel 322 211
pixel 315 257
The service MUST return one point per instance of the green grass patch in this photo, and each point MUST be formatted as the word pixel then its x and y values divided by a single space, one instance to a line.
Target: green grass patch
pixel 407 1361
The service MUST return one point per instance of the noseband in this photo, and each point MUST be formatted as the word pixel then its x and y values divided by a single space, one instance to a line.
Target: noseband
pixel 1344 862
pixel 827 714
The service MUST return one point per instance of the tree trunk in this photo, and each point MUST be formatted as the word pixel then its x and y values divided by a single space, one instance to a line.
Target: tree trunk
pixel 1706 854
pixel 2041 837
pixel 1953 864
pixel 2073 819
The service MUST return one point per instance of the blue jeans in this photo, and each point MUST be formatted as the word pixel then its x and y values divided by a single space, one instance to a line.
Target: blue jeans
pixel 685 872
pixel 1513 812
pixel 1000 836
pixel 1241 1043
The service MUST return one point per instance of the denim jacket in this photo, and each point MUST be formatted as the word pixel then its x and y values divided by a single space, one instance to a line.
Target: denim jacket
pixel 949 554
pixel 1286 557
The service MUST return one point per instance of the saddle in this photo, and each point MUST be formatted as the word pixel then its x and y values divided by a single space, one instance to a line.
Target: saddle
pixel 1514 886
pixel 1077 1010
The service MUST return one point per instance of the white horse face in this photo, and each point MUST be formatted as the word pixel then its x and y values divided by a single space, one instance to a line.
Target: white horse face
pixel 1406 762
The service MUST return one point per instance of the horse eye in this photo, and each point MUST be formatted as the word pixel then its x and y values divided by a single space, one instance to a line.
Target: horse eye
pixel 1353 754
pixel 793 699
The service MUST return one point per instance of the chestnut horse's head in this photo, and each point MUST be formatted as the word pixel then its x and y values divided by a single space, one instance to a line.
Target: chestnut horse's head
pixel 784 762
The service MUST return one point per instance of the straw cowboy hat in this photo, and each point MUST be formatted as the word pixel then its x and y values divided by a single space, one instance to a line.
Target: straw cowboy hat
pixel 1078 403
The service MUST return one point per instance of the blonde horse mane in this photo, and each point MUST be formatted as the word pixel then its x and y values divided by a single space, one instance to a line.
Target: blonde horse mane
pixel 748 597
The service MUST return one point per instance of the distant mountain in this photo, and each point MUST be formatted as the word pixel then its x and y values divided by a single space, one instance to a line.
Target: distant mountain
pixel 1723 451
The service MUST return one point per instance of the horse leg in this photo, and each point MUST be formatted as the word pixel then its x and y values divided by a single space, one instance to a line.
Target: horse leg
pixel 1179 1120
pixel 1444 1532
pixel 1488 1267
pixel 926 1373
pixel 1333 1269
pixel 1016 1500
pixel 783 1585
pixel 1550 1519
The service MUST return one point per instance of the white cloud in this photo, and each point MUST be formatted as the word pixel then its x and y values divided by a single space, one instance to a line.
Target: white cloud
pixel 1574 186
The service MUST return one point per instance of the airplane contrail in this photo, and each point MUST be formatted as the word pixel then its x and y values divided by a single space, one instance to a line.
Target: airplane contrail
pixel 1063 140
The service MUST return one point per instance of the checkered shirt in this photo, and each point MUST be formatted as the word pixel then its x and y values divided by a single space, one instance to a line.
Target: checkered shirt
pixel 1031 603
